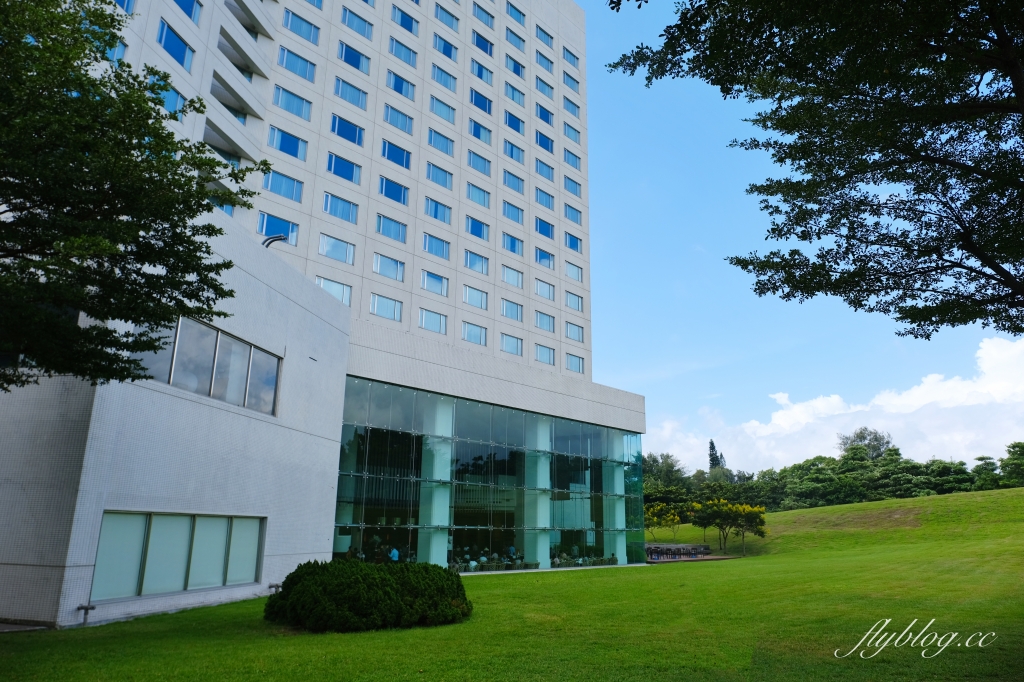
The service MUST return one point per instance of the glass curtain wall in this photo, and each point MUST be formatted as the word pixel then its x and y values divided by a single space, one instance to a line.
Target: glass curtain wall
pixel 433 478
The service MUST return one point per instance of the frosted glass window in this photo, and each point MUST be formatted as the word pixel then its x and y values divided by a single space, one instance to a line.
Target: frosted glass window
pixel 167 553
pixel 244 550
pixel 231 371
pixel 209 541
pixel 193 362
pixel 119 556
pixel 262 382
pixel 342 292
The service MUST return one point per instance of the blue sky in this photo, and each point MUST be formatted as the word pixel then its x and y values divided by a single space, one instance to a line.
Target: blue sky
pixel 676 323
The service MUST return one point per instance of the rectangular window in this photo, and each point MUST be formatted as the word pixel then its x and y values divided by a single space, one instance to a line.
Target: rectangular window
pixel 573 187
pixel 573 84
pixel 394 191
pixel 435 246
pixel 353 57
pixel 545 37
pixel 404 20
pixel 545 171
pixel 301 67
pixel 357 23
pixel 513 244
pixel 385 307
pixel 544 289
pixel 573 301
pixel 433 322
pixel 435 284
pixel 350 93
pixel 341 208
pixel 571 133
pixel 446 48
pixel 175 46
pixel 574 332
pixel 545 142
pixel 478 228
pixel 439 176
pixel 474 333
pixel 193 9
pixel 319 4
pixel 544 199
pixel 515 40
pixel 344 168
pixel 515 67
pixel 481 71
pixel 486 46
pixel 438 211
pixel 337 249
pixel 442 110
pixel 389 267
pixel 575 215
pixel 292 102
pixel 403 52
pixel 573 271
pixel 117 52
pixel 395 154
pixel 515 13
pixel 399 120
pixel 511 276
pixel 568 56
pixel 512 311
pixel 474 297
pixel 302 28
pixel 286 143
pixel 515 123
pixel 545 115
pixel 545 355
pixel 476 262
pixel 442 77
pixel 545 89
pixel 283 185
pixel 573 363
pixel 515 153
pixel 479 163
pixel 342 292
pixel 479 101
pixel 478 195
pixel 401 86
pixel 544 228
pixel 515 94
pixel 571 107
pixel 544 321
pixel 544 258
pixel 513 182
pixel 174 101
pixel 573 160
pixel 271 226
pixel 511 344
pixel 483 15
pixel 512 212
pixel 446 17
pixel 347 130
pixel 480 132
pixel 544 62
pixel 390 228
pixel 441 143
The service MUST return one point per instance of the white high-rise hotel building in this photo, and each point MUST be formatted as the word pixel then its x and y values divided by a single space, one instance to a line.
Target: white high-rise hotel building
pixel 429 172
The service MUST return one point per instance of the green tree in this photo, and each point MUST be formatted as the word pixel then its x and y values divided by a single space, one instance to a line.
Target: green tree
pixel 99 201
pixel 716 459
pixel 874 442
pixel 702 516
pixel 986 473
pixel 898 125
pixel 749 520
pixel 665 470
pixel 1012 466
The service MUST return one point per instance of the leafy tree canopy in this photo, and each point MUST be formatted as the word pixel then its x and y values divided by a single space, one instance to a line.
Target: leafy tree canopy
pixel 899 123
pixel 874 442
pixel 99 203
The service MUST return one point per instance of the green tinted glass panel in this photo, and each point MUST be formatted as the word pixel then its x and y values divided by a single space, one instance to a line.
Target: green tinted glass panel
pixel 119 556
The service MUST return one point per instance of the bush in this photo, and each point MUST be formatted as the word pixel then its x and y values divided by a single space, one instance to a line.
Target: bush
pixel 348 596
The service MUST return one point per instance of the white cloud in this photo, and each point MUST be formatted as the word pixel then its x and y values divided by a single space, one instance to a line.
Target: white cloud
pixel 945 418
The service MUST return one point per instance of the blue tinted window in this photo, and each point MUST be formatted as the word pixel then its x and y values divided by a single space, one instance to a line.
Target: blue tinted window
pixel 481 71
pixel 442 77
pixel 283 185
pixel 476 262
pixel 544 199
pixel 271 226
pixel 515 123
pixel 477 228
pixel 175 46
pixel 545 63
pixel 545 89
pixel 573 187
pixel 515 39
pixel 292 103
pixel 545 115
pixel 191 8
pixel 571 107
pixel 573 242
pixel 478 195
pixel 391 228
pixel 545 142
pixel 545 228
pixel 340 208
pixel 515 67
pixel 396 118
pixel 441 109
pixel 515 13
pixel 403 52
pixel 513 152
pixel 287 143
pixel 435 246
pixel 394 191
pixel 480 132
pixel 512 212
pixel 570 57
pixel 446 48
pixel 350 93
pixel 544 258
pixel 435 284
pixel 545 37
pixel 479 101
pixel 401 86
pixel 357 23
pixel 513 244
pixel 347 130
pixel 439 211
pixel 353 57
pixel 344 168
pixel 573 84
pixel 405 21
pixel 483 43
pixel 441 143
pixel 439 176
pixel 571 133
pixel 513 182
pixel 396 154
pixel 483 15
pixel 515 94
pixel 301 67
pixel 479 163
pixel 302 28
pixel 573 160
pixel 446 18
pixel 575 215
pixel 545 171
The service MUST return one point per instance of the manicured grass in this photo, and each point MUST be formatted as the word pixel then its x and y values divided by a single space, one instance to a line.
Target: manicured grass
pixel 816 584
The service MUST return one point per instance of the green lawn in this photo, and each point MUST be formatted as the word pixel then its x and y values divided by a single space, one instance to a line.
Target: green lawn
pixel 816 584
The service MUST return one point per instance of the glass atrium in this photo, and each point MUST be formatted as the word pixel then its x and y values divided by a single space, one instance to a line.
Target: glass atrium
pixel 433 478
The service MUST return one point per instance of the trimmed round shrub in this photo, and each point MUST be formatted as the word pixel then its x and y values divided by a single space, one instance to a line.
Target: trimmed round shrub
pixel 349 596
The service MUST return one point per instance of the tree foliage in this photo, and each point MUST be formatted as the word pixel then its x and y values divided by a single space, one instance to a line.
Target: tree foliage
pixel 876 442
pixel 99 202
pixel 899 123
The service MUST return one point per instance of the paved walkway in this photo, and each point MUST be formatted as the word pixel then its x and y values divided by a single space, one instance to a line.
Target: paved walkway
pixel 545 570
pixel 699 558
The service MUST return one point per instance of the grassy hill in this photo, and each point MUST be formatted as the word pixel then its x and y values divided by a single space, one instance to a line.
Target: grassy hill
pixel 817 583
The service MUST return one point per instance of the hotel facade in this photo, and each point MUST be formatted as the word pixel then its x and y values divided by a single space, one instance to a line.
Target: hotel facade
pixel 407 367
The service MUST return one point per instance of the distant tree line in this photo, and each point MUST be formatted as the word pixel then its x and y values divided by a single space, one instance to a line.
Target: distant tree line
pixel 868 468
